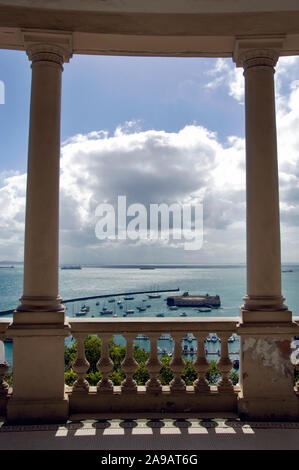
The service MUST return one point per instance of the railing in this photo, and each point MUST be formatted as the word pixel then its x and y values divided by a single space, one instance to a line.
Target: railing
pixel 153 397
pixel 128 397
pixel 3 368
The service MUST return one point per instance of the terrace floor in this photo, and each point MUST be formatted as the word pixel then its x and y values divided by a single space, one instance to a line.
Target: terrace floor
pixel 139 433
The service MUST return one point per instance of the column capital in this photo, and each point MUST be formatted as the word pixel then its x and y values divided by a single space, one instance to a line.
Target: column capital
pixel 257 52
pixel 48 46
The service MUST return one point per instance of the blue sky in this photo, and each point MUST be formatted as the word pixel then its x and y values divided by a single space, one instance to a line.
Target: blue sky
pixel 100 92
pixel 154 129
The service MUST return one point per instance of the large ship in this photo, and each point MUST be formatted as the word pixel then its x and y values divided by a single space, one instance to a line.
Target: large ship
pixel 77 266
pixel 187 300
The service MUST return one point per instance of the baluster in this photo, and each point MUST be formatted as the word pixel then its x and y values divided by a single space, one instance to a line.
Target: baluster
pixel 224 364
pixel 81 365
pixel 177 365
pixel 129 365
pixel 201 365
pixel 153 364
pixel 105 365
pixel 4 368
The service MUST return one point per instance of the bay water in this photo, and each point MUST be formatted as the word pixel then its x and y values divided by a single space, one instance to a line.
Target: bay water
pixel 229 282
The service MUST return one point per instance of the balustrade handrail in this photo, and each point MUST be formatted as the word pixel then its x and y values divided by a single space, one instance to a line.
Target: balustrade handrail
pixel 151 325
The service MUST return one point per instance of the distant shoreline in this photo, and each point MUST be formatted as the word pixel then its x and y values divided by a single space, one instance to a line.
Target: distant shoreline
pixel 6 264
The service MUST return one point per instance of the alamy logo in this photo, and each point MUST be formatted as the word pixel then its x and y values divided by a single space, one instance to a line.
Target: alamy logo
pixel 2 92
pixel 163 222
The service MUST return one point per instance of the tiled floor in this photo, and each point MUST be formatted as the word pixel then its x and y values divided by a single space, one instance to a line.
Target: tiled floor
pixel 152 434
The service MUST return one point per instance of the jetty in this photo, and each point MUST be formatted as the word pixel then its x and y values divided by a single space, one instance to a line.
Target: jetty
pixel 102 296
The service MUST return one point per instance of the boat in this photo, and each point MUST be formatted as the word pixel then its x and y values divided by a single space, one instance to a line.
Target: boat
pixel 129 298
pixel 183 314
pixel 119 302
pixel 287 271
pixel 141 309
pixel 203 310
pixel 130 311
pixel 154 296
pixel 97 303
pixel 115 315
pixel 148 306
pixel 85 308
pixel 106 312
pixel 71 267
pixel 81 313
pixel 173 307
pixel 160 315
pixel 166 336
pixel 111 300
pixel 186 300
pixel 188 337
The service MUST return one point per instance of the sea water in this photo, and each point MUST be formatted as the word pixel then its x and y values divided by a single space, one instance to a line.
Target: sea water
pixel 229 282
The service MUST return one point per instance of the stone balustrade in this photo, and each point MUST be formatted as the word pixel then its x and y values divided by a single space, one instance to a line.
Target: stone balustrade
pixel 4 367
pixel 154 397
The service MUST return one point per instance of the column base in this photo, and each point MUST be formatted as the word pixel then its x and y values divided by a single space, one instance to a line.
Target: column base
pixel 37 411
pixel 265 408
pixel 266 371
pixel 270 303
pixel 265 316
pixel 38 318
pixel 40 304
pixel 38 367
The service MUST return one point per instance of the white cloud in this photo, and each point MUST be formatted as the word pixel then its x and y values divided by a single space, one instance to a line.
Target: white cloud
pixel 12 210
pixel 148 167
pixel 226 74
pixel 158 166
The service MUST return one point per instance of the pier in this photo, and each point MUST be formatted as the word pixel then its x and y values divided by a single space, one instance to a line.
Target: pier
pixel 81 299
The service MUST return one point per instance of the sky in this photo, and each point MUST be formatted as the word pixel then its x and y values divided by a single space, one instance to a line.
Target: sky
pixel 158 131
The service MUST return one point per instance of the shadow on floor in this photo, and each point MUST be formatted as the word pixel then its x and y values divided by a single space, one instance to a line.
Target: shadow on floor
pixel 152 434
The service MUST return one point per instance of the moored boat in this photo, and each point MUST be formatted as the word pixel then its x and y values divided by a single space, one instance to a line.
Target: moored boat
pixel 186 300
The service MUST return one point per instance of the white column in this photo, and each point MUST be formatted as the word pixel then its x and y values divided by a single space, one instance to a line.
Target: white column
pixel 42 204
pixel 262 192
pixel 38 328
pixel 266 373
